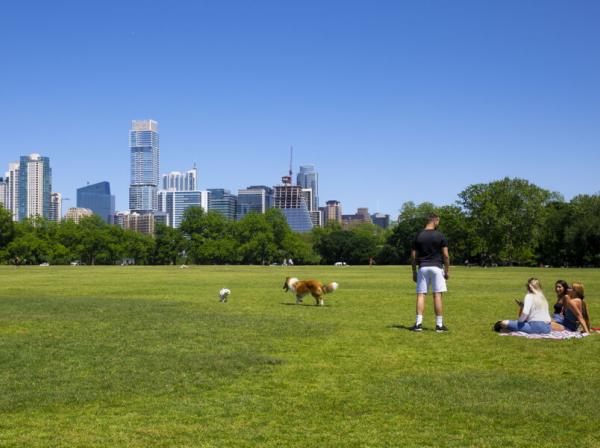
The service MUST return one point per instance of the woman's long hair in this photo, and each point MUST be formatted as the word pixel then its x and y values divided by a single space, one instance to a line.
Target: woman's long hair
pixel 579 293
pixel 564 284
pixel 535 287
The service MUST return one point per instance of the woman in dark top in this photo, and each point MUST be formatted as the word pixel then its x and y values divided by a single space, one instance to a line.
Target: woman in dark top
pixel 560 288
pixel 574 310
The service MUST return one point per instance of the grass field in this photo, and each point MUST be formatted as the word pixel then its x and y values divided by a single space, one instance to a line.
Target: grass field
pixel 148 357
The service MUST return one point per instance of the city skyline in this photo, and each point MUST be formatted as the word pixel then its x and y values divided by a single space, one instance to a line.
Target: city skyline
pixel 391 102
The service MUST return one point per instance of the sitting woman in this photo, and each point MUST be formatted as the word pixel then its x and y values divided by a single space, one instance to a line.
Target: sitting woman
pixel 534 317
pixel 560 288
pixel 574 311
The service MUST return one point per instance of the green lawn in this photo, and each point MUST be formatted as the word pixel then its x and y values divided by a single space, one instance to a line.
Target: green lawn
pixel 148 357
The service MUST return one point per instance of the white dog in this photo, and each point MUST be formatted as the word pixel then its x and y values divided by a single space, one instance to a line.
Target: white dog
pixel 223 294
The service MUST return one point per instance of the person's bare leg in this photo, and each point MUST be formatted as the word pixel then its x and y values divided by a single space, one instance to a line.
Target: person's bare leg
pixel 437 303
pixel 420 304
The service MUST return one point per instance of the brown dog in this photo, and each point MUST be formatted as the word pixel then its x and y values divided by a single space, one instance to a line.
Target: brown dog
pixel 304 287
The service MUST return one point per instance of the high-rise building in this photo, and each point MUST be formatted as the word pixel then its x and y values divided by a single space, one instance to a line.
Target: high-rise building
pixel 13 189
pixel 144 147
pixel 175 203
pixel 332 212
pixel 309 178
pixel 97 198
pixel 4 192
pixel 55 214
pixel 76 213
pixel 35 186
pixel 222 201
pixel 256 198
pixel 290 199
pixel 181 181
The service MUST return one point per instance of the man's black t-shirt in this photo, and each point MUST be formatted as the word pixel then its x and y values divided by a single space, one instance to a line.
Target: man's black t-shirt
pixel 428 244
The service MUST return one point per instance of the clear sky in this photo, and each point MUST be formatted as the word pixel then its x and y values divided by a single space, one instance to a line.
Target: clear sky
pixel 391 100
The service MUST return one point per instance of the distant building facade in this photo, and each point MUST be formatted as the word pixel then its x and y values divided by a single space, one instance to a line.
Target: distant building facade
pixel 97 198
pixel 175 203
pixel 138 222
pixel 360 217
pixel 180 181
pixel 332 212
pixel 4 192
pixel 12 180
pixel 308 178
pixel 256 198
pixel 75 214
pixel 35 187
pixel 292 202
pixel 380 219
pixel 144 164
pixel 55 214
pixel 222 201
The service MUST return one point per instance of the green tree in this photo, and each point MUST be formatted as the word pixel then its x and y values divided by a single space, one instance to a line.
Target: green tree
pixel 582 235
pixel 7 227
pixel 169 243
pixel 552 246
pixel 94 240
pixel 506 216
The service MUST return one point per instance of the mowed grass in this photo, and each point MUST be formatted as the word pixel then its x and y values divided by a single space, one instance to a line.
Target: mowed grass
pixel 148 357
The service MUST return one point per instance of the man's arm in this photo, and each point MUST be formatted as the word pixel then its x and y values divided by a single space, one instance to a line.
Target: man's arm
pixel 413 257
pixel 446 257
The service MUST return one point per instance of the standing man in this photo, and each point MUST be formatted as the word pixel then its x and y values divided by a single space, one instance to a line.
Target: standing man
pixel 430 252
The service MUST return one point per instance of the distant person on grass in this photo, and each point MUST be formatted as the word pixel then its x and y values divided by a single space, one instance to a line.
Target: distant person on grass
pixel 534 317
pixel 570 311
pixel 430 253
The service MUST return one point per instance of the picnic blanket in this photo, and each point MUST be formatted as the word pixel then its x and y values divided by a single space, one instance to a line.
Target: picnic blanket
pixel 553 335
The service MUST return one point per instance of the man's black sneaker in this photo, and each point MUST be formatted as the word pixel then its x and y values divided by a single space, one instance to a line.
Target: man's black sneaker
pixel 441 328
pixel 416 327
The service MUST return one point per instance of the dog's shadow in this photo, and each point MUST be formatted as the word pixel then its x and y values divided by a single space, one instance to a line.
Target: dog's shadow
pixel 407 328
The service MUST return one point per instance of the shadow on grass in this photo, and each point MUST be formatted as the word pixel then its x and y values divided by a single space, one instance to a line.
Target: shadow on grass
pixel 312 305
pixel 408 328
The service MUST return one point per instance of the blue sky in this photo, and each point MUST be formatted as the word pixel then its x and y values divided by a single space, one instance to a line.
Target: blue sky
pixel 391 100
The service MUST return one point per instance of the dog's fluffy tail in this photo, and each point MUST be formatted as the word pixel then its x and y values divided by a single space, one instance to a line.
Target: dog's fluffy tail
pixel 331 287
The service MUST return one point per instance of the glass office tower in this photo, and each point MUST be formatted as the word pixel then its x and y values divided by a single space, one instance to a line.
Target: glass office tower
pixel 98 199
pixel 309 178
pixel 144 147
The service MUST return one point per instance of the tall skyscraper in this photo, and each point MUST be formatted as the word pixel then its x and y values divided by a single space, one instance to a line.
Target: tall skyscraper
pixel 97 198
pixel 35 186
pixel 4 192
pixel 144 147
pixel 309 178
pixel 55 213
pixel 256 198
pixel 178 181
pixel 13 189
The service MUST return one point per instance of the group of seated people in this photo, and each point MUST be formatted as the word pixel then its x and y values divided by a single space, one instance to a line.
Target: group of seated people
pixel 570 310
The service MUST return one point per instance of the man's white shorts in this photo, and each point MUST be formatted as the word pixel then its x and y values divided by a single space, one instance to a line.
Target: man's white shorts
pixel 431 276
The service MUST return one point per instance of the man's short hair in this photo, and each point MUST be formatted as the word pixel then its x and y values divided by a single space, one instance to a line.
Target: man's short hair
pixel 432 217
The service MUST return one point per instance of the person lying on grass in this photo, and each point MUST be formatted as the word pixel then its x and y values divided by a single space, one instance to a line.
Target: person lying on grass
pixel 534 317
pixel 573 311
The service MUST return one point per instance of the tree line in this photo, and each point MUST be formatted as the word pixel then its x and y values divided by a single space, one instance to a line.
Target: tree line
pixel 505 222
